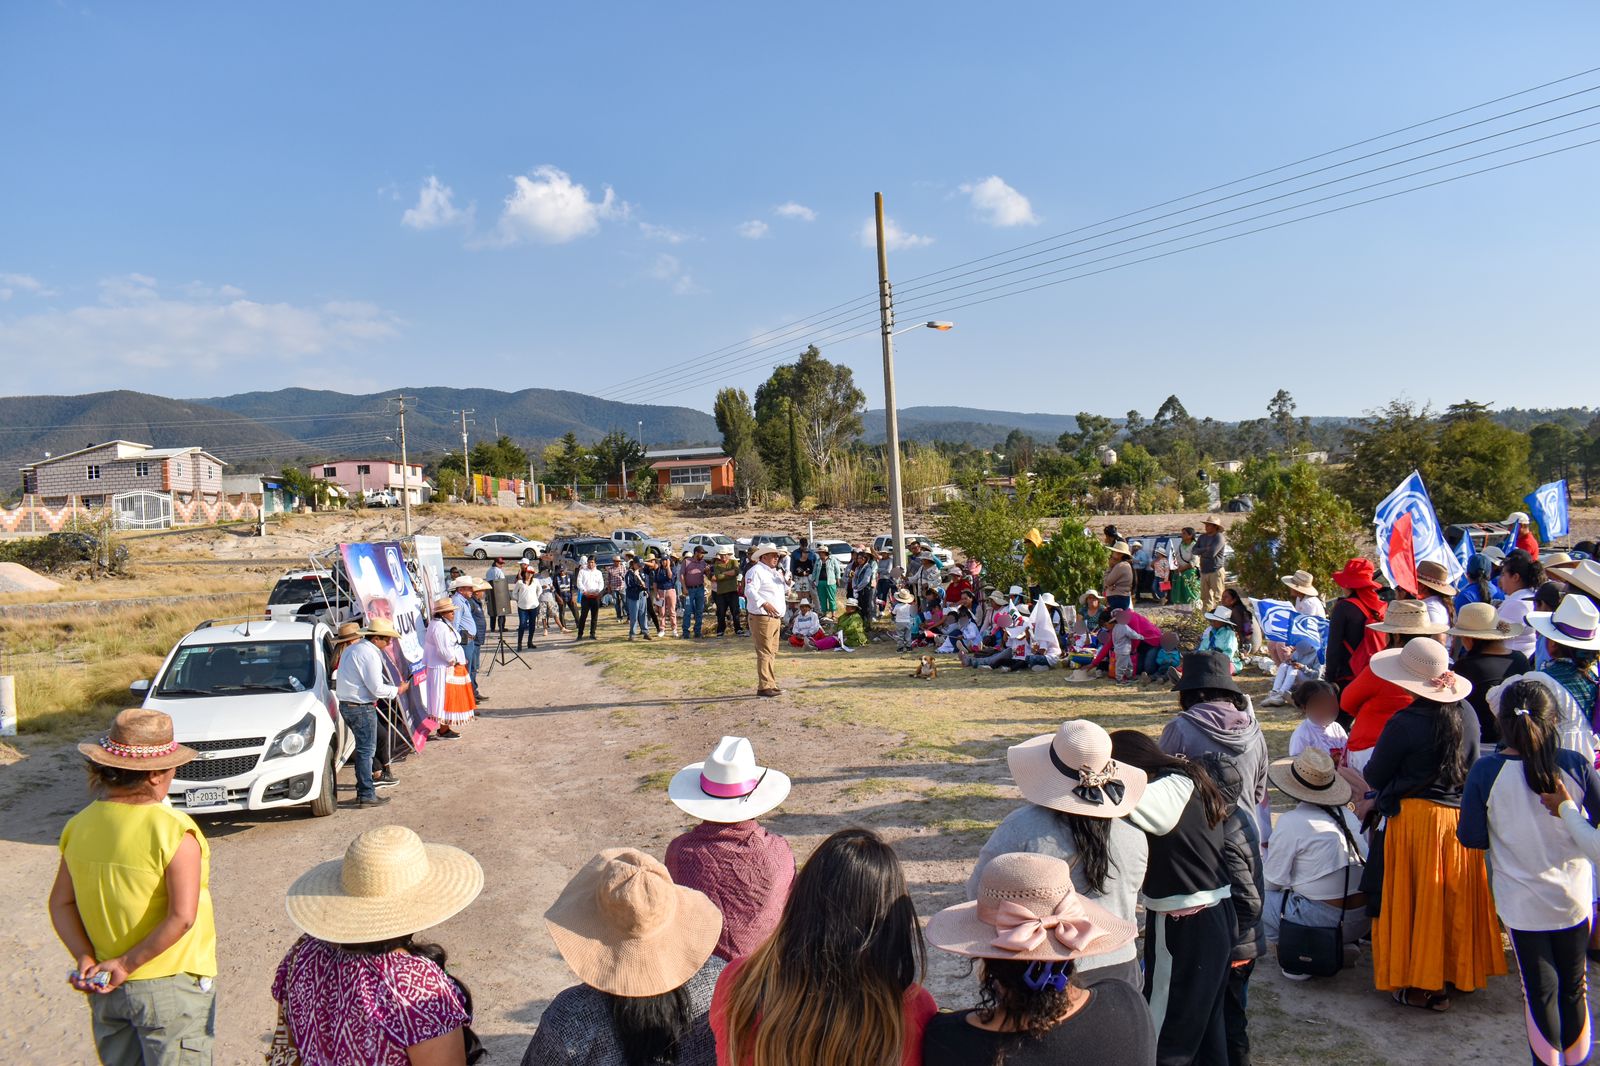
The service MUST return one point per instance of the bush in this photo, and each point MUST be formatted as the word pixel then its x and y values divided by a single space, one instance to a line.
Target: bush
pixel 41 554
pixel 1298 525
pixel 1069 563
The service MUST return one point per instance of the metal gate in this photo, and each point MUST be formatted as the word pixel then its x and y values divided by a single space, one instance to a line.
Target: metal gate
pixel 141 510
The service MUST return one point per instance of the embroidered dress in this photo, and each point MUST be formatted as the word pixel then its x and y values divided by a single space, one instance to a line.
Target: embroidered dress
pixel 441 654
pixel 342 1007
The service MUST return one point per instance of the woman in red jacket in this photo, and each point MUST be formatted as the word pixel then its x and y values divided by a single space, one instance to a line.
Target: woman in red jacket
pixel 1369 699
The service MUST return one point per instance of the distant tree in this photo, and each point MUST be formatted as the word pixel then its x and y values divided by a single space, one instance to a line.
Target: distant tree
pixel 986 524
pixel 797 480
pixel 1019 448
pixel 314 491
pixel 1136 469
pixel 1465 411
pixel 1384 447
pixel 1071 562
pixel 1299 524
pixel 500 458
pixel 615 452
pixel 568 462
pixel 826 406
pixel 1133 425
pixel 735 420
pixel 1554 450
pixel 1092 432
pixel 1480 471
pixel 1280 412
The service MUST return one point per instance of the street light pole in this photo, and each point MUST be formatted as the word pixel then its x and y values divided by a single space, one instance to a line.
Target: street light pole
pixel 405 464
pixel 891 418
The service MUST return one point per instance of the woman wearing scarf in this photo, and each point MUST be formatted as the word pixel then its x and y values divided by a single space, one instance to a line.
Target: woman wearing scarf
pixel 1185 578
pixel 1350 643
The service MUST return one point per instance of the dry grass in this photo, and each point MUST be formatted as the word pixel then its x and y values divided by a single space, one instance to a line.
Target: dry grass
pixel 151 582
pixel 73 671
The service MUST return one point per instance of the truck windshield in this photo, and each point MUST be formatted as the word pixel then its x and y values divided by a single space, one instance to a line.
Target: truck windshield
pixel 239 667
pixel 300 590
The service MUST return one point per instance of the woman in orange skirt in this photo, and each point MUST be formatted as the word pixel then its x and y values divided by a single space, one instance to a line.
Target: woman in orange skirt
pixel 1436 926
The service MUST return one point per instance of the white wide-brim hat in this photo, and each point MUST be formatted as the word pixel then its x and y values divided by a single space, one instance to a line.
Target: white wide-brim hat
pixel 729 786
pixel 1050 770
pixel 1221 614
pixel 1575 623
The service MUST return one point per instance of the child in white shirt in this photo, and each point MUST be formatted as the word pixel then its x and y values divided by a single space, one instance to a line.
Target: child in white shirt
pixel 1319 702
pixel 905 618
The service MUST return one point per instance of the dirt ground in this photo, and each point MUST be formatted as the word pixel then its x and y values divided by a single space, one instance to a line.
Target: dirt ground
pixel 572 757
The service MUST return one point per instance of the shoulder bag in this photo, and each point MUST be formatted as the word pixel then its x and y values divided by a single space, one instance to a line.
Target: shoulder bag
pixel 1314 950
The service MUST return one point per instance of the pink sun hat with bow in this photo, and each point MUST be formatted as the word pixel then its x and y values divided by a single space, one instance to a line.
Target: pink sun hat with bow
pixel 1027 909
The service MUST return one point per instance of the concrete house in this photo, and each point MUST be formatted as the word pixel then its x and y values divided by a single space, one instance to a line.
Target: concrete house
pixel 690 473
pixel 95 474
pixel 359 476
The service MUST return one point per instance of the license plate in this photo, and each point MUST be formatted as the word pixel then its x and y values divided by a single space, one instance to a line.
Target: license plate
pixel 204 797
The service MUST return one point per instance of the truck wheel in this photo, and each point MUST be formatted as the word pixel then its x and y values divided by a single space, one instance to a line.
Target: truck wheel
pixel 327 799
pixel 480 554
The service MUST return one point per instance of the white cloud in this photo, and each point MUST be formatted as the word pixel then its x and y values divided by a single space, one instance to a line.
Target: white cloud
pixel 11 284
pixel 137 326
pixel 896 238
pixel 666 234
pixel 434 207
pixel 999 204
pixel 753 230
pixel 670 269
pixel 790 209
pixel 547 206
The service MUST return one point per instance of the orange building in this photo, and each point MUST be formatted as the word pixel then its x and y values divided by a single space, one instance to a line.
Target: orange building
pixel 689 473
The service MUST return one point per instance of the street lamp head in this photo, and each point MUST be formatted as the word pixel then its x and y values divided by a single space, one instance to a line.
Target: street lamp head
pixel 942 326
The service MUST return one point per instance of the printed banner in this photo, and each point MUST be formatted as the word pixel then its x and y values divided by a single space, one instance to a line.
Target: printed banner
pixel 1410 498
pixel 379 579
pixel 1282 623
pixel 1547 505
pixel 430 568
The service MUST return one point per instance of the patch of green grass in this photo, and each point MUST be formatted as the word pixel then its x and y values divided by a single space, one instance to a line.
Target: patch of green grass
pixel 649 751
pixel 961 826
pixel 968 790
pixel 655 781
pixel 868 787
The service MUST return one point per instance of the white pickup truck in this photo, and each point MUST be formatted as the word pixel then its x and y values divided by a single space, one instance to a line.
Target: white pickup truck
pixel 640 541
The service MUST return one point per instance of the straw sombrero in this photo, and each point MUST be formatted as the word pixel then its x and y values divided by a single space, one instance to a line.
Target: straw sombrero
pixel 1121 548
pixel 1301 581
pixel 444 605
pixel 139 739
pixel 1027 909
pixel 1409 618
pixel 388 884
pixel 623 927
pixel 1422 668
pixel 1435 576
pixel 348 631
pixel 380 627
pixel 1310 776
pixel 1481 621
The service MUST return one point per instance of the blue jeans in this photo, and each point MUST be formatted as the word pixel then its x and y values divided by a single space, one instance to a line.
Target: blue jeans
pixel 471 651
pixel 527 619
pixel 638 615
pixel 362 718
pixel 694 603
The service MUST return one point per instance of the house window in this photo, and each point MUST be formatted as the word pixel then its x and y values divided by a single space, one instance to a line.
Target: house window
pixel 94 472
pixel 330 471
pixel 177 469
pixel 211 471
pixel 691 475
pixel 141 469
pixel 363 468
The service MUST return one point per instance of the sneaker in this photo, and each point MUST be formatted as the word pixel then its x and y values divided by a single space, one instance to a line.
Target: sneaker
pixel 386 778
pixel 1287 976
pixel 985 666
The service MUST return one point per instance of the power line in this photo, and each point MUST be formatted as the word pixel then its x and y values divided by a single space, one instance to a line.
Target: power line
pixel 1020 287
pixel 741 350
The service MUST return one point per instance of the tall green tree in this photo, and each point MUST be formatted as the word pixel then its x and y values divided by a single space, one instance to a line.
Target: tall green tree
pixel 735 420
pixel 1280 412
pixel 1384 448
pixel 568 462
pixel 797 480
pixel 1480 471
pixel 615 452
pixel 826 406
pixel 1299 524
pixel 1093 431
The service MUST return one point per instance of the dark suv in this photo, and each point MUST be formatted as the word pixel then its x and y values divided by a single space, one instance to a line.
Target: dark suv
pixel 568 550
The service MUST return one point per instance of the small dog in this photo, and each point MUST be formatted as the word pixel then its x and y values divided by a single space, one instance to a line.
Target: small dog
pixel 926 669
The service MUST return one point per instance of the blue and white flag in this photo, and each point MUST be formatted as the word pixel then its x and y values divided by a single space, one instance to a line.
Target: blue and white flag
pixel 1427 536
pixel 1304 627
pixel 1277 619
pixel 1547 504
pixel 1464 550
pixel 1509 545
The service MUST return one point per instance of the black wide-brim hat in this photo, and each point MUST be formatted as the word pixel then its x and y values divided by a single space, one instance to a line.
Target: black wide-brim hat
pixel 1207 669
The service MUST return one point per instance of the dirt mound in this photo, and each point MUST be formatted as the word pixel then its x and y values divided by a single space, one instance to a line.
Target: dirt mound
pixel 14 577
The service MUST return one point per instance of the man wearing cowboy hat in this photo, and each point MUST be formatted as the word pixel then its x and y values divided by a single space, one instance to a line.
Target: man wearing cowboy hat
pixel 1210 549
pixel 725 573
pixel 766 596
pixel 361 681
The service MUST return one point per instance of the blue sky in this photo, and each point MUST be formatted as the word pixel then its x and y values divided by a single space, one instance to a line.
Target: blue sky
pixel 201 199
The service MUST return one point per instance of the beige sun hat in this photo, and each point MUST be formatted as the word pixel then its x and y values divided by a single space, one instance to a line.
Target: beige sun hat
pixel 1310 776
pixel 1027 909
pixel 1092 593
pixel 1409 618
pixel 761 551
pixel 140 738
pixel 623 927
pixel 1585 576
pixel 1072 770
pixel 1435 576
pixel 1301 581
pixel 1481 621
pixel 388 884
pixel 380 627
pixel 904 596
pixel 1557 561
pixel 444 605
pixel 1422 668
pixel 464 582
pixel 347 632
pixel 1121 548
pixel 1574 623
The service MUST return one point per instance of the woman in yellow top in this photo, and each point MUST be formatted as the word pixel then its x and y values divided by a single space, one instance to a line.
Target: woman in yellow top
pixel 131 901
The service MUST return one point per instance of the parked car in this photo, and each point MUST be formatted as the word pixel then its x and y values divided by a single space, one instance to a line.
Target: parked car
pixel 838 549
pixel 311 592
pixel 781 540
pixel 884 542
pixel 86 547
pixel 380 498
pixel 711 542
pixel 504 546
pixel 639 541
pixel 256 700
pixel 568 550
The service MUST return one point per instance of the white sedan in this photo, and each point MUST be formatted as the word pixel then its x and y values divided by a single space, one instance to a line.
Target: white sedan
pixel 711 542
pixel 504 546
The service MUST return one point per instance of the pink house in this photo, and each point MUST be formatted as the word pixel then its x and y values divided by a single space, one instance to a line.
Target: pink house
pixel 359 476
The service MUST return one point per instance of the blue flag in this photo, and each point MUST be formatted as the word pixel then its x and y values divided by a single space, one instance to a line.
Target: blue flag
pixel 1547 504
pixel 1509 545
pixel 1316 630
pixel 1464 550
pixel 1427 536
pixel 1277 618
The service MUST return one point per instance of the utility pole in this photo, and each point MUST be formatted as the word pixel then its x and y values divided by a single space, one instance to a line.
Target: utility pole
pixel 466 459
pixel 405 463
pixel 891 418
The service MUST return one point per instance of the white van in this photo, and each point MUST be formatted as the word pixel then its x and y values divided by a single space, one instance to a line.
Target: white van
pixel 256 700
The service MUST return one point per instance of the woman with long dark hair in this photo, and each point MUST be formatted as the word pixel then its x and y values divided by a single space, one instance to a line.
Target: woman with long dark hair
pixel 1189 917
pixel 1369 700
pixel 1430 883
pixel 1077 798
pixel 360 977
pixel 1520 578
pixel 1572 639
pixel 643 948
pixel 1543 883
pixel 1479 587
pixel 1031 929
pixel 836 984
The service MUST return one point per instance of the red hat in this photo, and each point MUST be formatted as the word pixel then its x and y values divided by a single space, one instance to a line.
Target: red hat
pixel 1357 574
